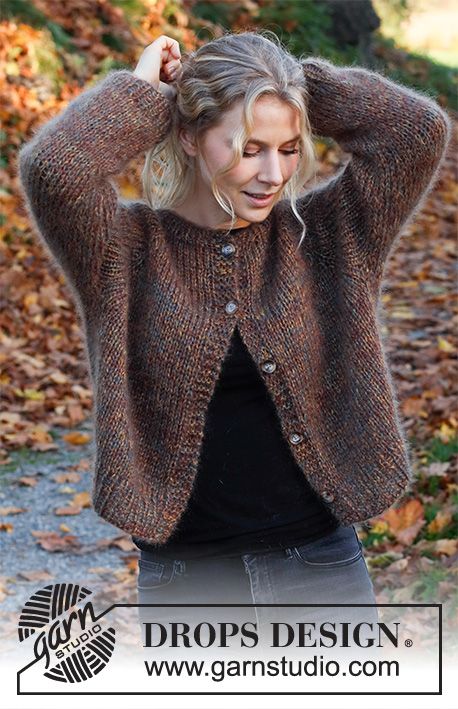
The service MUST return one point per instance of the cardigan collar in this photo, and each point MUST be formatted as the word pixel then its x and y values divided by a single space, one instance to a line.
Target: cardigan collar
pixel 263 251
pixel 246 237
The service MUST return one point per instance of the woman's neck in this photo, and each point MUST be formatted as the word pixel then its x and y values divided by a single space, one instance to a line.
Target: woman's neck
pixel 193 215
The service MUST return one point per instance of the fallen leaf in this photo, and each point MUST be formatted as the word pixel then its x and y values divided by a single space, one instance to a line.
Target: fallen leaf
pixel 69 510
pixel 132 563
pixel 124 543
pixel 5 590
pixel 52 541
pixel 399 565
pixel 11 510
pixel 76 438
pixel 444 345
pixel 58 377
pixel 437 469
pixel 84 464
pixel 28 480
pixel 406 521
pixel 41 575
pixel 32 394
pixel 82 499
pixel 68 477
pixel 446 546
pixel 67 490
pixel 406 536
pixel 441 520
pixel 75 413
pixel 446 588
pixel 379 526
pixel 9 417
pixel 425 564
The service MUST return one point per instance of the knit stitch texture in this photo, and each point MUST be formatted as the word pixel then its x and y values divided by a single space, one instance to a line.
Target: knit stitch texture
pixel 151 290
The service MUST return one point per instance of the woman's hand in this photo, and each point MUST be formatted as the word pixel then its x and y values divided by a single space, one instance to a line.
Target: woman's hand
pixel 160 64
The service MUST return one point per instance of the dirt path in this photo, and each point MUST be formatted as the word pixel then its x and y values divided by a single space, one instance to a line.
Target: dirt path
pixel 76 547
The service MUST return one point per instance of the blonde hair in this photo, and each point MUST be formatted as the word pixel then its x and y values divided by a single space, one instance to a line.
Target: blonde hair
pixel 234 67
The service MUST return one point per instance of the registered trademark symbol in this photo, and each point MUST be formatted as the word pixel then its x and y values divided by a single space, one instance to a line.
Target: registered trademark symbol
pixel 408 642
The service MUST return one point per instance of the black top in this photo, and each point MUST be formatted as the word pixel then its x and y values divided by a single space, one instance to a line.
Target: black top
pixel 250 494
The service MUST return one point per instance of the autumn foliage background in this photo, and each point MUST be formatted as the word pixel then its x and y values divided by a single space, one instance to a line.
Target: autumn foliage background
pixel 53 50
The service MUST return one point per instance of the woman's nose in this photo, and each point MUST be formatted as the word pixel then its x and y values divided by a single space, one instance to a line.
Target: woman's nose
pixel 271 171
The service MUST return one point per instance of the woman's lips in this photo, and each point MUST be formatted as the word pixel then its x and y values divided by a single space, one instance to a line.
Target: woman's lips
pixel 259 201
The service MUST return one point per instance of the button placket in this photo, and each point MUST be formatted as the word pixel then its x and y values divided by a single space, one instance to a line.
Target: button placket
pixel 228 250
pixel 269 366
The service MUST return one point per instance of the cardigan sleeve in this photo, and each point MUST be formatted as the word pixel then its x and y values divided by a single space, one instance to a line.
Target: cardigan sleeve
pixel 396 138
pixel 65 170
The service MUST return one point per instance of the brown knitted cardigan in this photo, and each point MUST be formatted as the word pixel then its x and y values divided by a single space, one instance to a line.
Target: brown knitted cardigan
pixel 154 293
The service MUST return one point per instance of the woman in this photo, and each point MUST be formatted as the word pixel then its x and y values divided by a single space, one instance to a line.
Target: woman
pixel 245 416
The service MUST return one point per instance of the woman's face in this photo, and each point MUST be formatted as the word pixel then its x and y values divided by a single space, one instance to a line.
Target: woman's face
pixel 270 159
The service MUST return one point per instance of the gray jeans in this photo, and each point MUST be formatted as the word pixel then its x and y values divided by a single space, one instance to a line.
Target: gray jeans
pixel 330 570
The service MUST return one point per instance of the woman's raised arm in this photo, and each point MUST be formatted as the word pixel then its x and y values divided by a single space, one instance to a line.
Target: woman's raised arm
pixel 397 138
pixel 65 170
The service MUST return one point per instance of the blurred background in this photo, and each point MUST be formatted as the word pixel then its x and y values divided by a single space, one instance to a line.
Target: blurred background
pixel 50 52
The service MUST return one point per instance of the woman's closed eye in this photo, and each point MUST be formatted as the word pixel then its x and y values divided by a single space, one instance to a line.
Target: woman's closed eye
pixel 286 152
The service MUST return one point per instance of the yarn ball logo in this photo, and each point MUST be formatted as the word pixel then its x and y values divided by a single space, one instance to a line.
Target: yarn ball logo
pixel 73 641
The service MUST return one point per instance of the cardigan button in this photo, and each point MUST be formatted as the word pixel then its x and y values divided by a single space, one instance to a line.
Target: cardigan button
pixel 295 438
pixel 328 496
pixel 230 307
pixel 268 366
pixel 228 249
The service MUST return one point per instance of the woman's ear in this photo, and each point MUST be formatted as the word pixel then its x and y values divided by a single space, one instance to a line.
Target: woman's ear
pixel 188 141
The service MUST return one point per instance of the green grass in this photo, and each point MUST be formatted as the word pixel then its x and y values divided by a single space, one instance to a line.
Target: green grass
pixel 438 451
pixel 445 56
pixel 25 458
pixel 427 586
pixel 439 79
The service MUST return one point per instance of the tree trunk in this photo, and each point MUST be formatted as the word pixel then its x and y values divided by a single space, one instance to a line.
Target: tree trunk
pixel 353 22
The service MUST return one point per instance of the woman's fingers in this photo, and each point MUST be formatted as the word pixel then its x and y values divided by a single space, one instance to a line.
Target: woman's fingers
pixel 173 69
pixel 155 58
